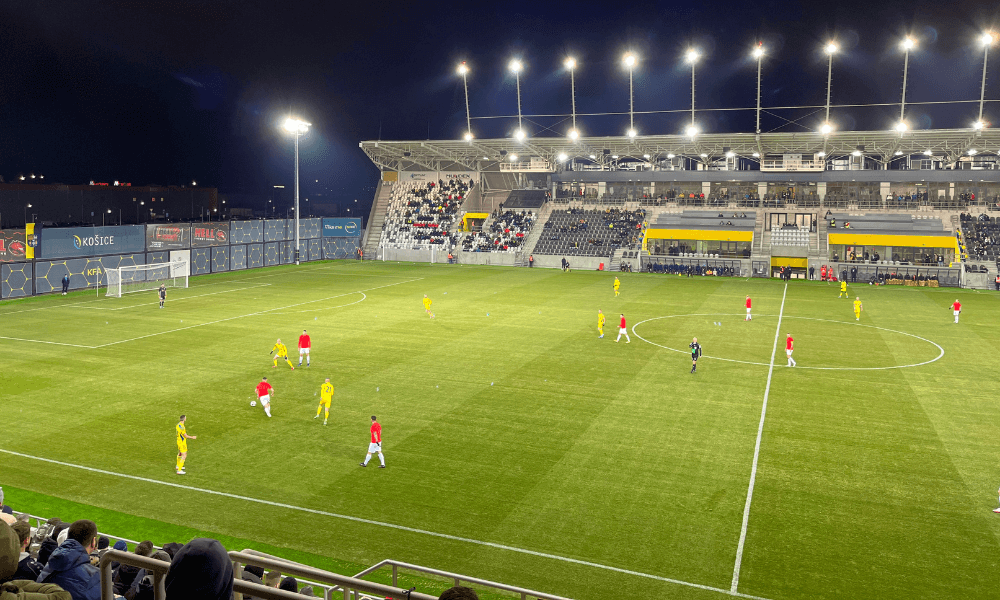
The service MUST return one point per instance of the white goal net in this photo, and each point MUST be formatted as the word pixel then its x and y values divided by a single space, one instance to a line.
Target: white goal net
pixel 139 278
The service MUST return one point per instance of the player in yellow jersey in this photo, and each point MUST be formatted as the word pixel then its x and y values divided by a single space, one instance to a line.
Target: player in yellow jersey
pixel 857 308
pixel 617 285
pixel 325 396
pixel 182 445
pixel 600 323
pixel 280 351
pixel 427 306
pixel 843 289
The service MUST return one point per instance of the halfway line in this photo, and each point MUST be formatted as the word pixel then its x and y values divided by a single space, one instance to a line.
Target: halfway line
pixel 446 536
pixel 756 451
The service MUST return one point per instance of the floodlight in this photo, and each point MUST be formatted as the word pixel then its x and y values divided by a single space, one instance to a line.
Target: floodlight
pixel 519 134
pixel 758 52
pixel 193 183
pixel 831 48
pixel 703 155
pixel 691 130
pixel 296 125
pixel 463 69
pixel 562 157
pixel 730 154
pixel 756 154
pixel 821 154
pixel 856 153
pixel 901 126
pixel 614 157
pixel 512 157
pixel 468 136
pixel 928 153
pixel 898 153
pixel 570 63
pixel 629 60
pixel 646 156
pixel 573 134
pixel 978 125
pixel 515 66
pixel 592 157
pixel 631 133
pixel 671 155
pixel 692 55
pixel 826 128
pixel 988 38
pixel 972 152
pixel 908 43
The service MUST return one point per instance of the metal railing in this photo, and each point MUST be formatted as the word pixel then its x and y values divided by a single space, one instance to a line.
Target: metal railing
pixel 351 587
pixel 456 578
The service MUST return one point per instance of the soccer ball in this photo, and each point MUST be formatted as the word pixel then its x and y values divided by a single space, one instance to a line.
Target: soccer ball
pixel 253 403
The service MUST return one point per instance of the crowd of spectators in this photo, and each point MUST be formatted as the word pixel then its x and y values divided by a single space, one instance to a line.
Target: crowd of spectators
pixel 506 233
pixel 693 270
pixel 980 236
pixel 59 561
pixel 425 214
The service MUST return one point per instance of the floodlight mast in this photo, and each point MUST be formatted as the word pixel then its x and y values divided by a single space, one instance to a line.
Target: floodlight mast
pixel 831 49
pixel 463 70
pixel 570 64
pixel 515 66
pixel 296 127
pixel 907 45
pixel 758 54
pixel 987 42
pixel 692 57
pixel 629 60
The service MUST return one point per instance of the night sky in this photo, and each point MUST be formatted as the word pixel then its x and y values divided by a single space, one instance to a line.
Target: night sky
pixel 167 92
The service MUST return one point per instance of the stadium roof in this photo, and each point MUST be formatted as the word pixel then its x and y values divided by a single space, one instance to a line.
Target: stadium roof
pixel 544 153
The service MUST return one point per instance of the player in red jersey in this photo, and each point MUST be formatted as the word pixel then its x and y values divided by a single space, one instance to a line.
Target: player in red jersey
pixel 957 308
pixel 748 318
pixel 264 391
pixel 623 330
pixel 789 346
pixel 304 344
pixel 375 446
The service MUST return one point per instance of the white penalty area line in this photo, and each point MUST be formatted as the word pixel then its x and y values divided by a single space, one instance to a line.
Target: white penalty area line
pixel 445 536
pixel 756 452
pixel 249 287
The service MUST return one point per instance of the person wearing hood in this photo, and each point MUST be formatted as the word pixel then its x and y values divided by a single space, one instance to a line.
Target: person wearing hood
pixel 201 570
pixel 15 589
pixel 69 566
pixel 49 544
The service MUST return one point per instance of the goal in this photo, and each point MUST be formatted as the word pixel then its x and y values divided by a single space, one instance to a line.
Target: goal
pixel 139 278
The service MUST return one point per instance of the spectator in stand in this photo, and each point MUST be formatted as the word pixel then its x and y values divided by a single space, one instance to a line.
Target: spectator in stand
pixel 459 592
pixel 201 570
pixel 307 591
pixel 27 567
pixel 17 589
pixel 50 543
pixel 273 579
pixel 289 584
pixel 126 573
pixel 69 566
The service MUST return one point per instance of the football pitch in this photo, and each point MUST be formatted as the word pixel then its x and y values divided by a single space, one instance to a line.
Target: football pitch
pixel 519 446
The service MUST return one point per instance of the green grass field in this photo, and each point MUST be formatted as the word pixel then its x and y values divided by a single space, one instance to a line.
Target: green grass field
pixel 565 463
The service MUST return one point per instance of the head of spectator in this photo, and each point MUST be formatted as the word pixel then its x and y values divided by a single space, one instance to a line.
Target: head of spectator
pixel 8 519
pixel 273 579
pixel 103 542
pixel 9 552
pixel 307 591
pixel 7 510
pixel 27 567
pixel 258 571
pixel 201 570
pixel 121 545
pixel 83 532
pixel 172 548
pixel 459 592
pixel 145 548
pixel 161 555
pixel 289 584
pixel 70 568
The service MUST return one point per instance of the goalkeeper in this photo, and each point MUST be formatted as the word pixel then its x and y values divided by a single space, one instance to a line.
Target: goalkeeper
pixel 280 351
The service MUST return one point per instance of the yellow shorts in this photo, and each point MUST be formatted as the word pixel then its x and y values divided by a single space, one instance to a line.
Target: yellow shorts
pixel 325 403
pixel 182 447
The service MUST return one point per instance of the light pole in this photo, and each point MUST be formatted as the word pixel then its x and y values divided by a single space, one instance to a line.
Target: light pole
pixel 987 40
pixel 463 70
pixel 516 66
pixel 297 127
pixel 629 60
pixel 830 49
pixel 570 63
pixel 692 57
pixel 907 45
pixel 758 53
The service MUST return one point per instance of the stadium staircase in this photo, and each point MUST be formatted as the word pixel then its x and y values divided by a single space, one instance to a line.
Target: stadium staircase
pixel 615 262
pixel 376 219
pixel 758 229
pixel 535 233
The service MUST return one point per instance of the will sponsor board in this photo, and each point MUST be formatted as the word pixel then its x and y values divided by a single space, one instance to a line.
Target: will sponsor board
pixel 209 234
pixel 13 246
pixel 168 236
pixel 341 227
pixel 68 242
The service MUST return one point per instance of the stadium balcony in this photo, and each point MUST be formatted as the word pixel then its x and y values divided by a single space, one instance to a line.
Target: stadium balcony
pixel 423 215
pixel 504 232
pixel 980 236
pixel 596 233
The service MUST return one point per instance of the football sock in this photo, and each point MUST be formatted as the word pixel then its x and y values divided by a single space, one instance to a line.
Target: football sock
pixel 177 462
pixel 267 409
pixel 180 465
pixel 289 363
pixel 275 363
pixel 308 361
pixel 318 409
pixel 381 459
pixel 367 458
pixel 327 415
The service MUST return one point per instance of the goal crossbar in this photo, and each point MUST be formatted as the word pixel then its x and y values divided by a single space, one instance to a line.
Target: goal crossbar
pixel 139 278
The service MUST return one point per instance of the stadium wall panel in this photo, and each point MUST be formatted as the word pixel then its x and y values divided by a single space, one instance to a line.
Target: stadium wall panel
pixel 309 228
pixel 272 254
pixel 288 252
pixel 83 272
pixel 276 230
pixel 246 232
pixel 15 280
pixel 237 257
pixel 153 258
pixel 341 247
pixel 201 261
pixel 220 259
pixel 316 249
pixel 255 256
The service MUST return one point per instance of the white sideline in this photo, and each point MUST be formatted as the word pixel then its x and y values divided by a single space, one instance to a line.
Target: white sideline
pixel 756 452
pixel 446 536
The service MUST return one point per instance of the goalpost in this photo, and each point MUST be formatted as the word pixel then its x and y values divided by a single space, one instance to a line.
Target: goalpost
pixel 140 278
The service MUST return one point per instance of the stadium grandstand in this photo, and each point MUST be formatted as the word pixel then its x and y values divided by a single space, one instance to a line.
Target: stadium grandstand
pixel 746 204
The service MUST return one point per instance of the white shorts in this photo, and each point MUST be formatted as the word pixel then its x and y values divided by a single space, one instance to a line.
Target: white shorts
pixel 956 312
pixel 265 399
pixel 374 448
pixel 748 310
pixel 622 330
pixel 788 352
pixel 303 351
